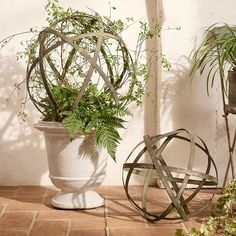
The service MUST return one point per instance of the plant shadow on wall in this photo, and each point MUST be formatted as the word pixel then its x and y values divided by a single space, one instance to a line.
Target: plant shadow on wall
pixel 21 152
pixel 182 107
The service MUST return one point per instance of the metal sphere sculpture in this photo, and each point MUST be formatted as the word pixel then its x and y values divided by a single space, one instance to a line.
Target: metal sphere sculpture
pixel 174 179
pixel 78 50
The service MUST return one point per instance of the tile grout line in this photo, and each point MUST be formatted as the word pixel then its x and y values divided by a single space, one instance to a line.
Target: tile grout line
pixel 36 211
pixel 32 224
pixel 3 210
pixel 184 227
pixel 69 227
pixel 105 218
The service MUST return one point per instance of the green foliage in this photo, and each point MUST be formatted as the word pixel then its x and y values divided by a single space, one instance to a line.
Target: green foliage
pixel 108 137
pixel 223 219
pixel 216 54
pixel 94 112
pixel 210 226
pixel 165 63
pixel 179 232
pixel 56 12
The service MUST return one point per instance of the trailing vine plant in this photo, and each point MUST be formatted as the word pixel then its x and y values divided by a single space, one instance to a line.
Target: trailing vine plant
pixel 65 88
pixel 223 218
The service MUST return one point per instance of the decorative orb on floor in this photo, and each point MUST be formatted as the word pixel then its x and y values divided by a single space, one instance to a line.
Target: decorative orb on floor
pixel 174 179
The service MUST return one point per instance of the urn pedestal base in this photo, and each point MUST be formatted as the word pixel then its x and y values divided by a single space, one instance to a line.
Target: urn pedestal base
pixel 76 167
pixel 84 200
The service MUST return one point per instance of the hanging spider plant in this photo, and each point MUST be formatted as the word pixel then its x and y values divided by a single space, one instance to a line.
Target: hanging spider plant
pixel 216 54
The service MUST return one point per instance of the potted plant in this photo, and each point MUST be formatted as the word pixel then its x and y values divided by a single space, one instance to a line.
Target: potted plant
pixel 81 77
pixel 217 54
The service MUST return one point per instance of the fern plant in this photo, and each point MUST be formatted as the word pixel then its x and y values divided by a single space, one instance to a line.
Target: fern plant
pixel 81 73
pixel 95 112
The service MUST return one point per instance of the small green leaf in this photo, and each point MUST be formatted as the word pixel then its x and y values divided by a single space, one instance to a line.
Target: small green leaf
pixel 179 232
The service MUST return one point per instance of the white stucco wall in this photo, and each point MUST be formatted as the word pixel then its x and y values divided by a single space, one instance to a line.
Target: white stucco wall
pixel 180 107
pixel 22 151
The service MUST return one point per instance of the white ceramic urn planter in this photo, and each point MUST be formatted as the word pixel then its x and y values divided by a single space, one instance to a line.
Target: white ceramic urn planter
pixel 76 167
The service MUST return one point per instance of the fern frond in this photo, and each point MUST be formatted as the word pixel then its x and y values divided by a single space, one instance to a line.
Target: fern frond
pixel 112 121
pixel 107 137
pixel 123 111
pixel 73 124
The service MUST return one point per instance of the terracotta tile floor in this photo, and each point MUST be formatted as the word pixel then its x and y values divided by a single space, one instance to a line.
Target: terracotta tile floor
pixel 26 211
